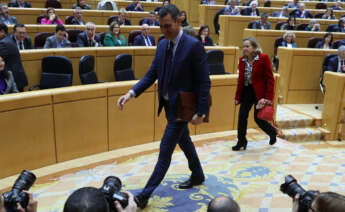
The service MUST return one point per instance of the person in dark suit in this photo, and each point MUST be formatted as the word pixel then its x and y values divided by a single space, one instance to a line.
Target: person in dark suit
pixel 290 24
pixel 180 64
pixel 7 83
pixel 89 37
pixel 230 6
pixel 10 52
pixel 281 14
pixel 151 20
pixel 5 16
pixel 121 19
pixel 340 27
pixel 144 39
pixel 313 26
pixel 135 6
pixel 204 37
pixel 262 23
pixel 77 17
pixel 82 4
pixel 59 40
pixel 19 37
pixel 301 12
pixel 326 43
pixel 337 64
pixel 165 2
pixel 251 10
pixel 19 3
pixel 255 87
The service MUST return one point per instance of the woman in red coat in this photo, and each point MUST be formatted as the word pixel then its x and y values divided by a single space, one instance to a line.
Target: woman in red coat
pixel 255 87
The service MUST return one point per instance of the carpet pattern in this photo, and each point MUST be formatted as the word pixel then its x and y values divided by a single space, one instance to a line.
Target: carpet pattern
pixel 251 177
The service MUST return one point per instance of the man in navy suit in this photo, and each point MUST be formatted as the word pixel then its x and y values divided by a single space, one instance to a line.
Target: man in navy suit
pixel 180 64
pixel 144 39
pixel 151 20
pixel 337 64
pixel 19 3
pixel 89 37
pixel 301 12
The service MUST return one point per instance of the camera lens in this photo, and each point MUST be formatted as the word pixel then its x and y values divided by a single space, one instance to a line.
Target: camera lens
pixel 24 181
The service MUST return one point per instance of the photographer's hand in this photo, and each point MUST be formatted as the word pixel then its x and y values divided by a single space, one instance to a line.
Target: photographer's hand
pixel 295 203
pixel 131 207
pixel 32 206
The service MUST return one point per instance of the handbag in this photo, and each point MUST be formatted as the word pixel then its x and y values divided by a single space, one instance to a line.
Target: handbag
pixel 266 113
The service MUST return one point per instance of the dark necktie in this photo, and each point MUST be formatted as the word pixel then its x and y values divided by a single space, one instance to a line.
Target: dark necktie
pixel 168 65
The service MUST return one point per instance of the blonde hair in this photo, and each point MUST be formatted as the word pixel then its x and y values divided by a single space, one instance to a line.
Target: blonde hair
pixel 255 44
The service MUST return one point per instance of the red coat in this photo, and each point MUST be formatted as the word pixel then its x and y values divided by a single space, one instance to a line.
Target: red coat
pixel 262 78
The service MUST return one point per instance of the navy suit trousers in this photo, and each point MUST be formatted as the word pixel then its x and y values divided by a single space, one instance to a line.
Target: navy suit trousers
pixel 175 133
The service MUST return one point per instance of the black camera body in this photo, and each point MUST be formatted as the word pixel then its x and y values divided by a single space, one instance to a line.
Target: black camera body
pixel 24 182
pixel 291 188
pixel 111 190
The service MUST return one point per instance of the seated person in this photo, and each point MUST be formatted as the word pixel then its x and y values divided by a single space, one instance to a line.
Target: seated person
pixel 19 37
pixel 165 2
pixel 51 17
pixel 82 4
pixel 204 37
pixel 294 4
pixel 340 27
pixel 92 199
pixel 78 17
pixel 7 83
pixel 301 12
pixel 144 39
pixel 209 2
pixel 313 26
pixel 337 6
pixel 290 25
pixel 189 30
pixel 151 20
pixel 289 40
pixel 262 23
pixel 59 40
pixel 121 19
pixel 107 5
pixel 323 202
pixel 329 14
pixel 281 14
pixel 337 64
pixel 114 36
pixel 135 6
pixel 223 204
pixel 230 7
pixel 89 37
pixel 19 3
pixel 5 17
pixel 252 10
pixel 183 16
pixel 326 43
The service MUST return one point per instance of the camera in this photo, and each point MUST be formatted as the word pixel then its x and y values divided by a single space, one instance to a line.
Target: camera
pixel 111 190
pixel 291 188
pixel 24 182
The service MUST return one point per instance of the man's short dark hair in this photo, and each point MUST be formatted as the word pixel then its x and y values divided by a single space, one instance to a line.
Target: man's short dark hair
pixel 87 199
pixel 223 204
pixel 4 27
pixel 60 27
pixel 169 9
pixel 18 25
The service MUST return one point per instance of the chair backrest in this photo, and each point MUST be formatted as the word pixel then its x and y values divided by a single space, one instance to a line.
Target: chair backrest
pixel 313 41
pixel 321 6
pixel 277 43
pixel 250 25
pixel 132 35
pixel 53 3
pixel 69 19
pixel 87 72
pixel 318 15
pixel 279 25
pixel 73 34
pixel 102 36
pixel 39 18
pixel 141 21
pixel 111 19
pixel 215 59
pixel 301 27
pixel 40 39
pixel 57 71
pixel 123 67
pixel 267 3
pixel 336 44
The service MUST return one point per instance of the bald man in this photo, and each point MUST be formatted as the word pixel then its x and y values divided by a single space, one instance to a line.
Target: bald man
pixel 223 204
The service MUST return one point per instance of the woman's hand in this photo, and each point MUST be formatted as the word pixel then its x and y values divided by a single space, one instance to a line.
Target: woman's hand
pixel 237 102
pixel 52 17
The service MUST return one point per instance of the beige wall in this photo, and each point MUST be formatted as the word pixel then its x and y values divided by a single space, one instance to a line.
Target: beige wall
pixel 61 124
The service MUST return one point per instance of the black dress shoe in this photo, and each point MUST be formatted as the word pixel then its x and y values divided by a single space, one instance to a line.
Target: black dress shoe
pixel 191 182
pixel 141 201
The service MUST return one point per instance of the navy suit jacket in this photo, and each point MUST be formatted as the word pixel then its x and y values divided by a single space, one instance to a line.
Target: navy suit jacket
pixel 83 42
pixel 333 64
pixel 189 73
pixel 139 40
pixel 298 14
pixel 150 23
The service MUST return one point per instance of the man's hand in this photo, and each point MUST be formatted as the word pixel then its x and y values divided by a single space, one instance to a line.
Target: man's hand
pixel 197 119
pixel 131 207
pixel 123 99
pixel 32 206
